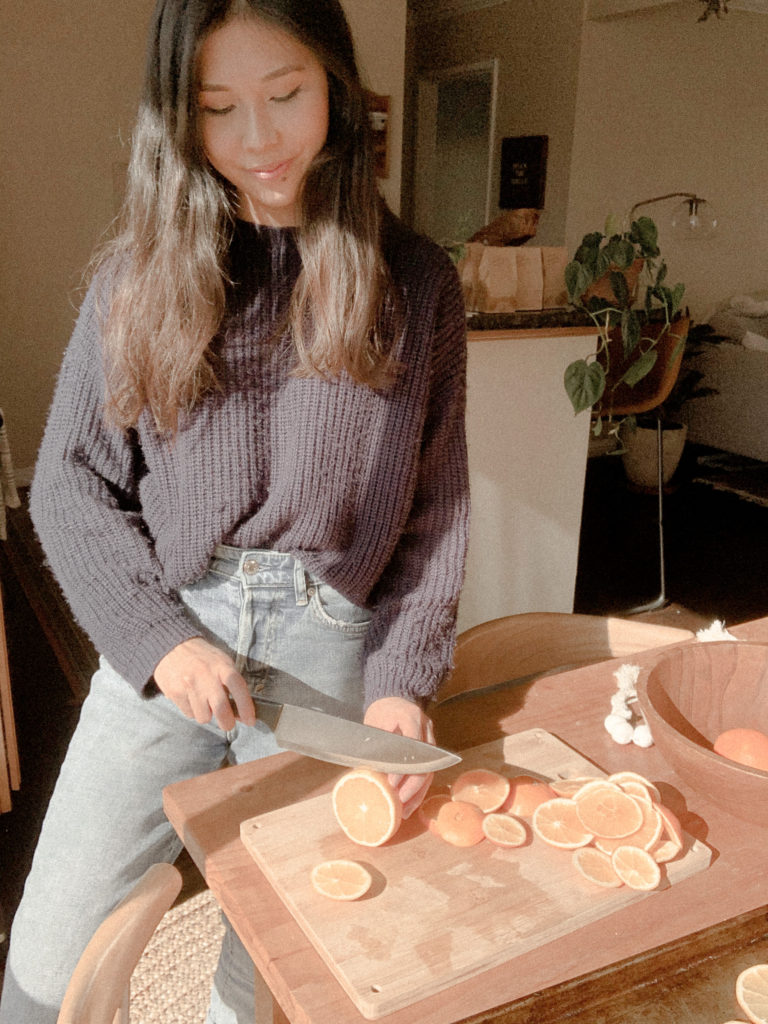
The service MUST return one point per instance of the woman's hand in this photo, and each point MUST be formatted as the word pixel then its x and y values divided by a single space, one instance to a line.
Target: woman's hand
pixel 203 683
pixel 397 714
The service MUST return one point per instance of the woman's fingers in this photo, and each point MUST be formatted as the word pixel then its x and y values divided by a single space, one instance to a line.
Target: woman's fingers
pixel 203 683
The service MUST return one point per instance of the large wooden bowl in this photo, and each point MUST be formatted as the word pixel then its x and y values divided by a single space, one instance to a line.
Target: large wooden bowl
pixel 689 697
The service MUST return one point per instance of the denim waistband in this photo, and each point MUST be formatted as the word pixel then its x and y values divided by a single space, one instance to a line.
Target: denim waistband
pixel 257 567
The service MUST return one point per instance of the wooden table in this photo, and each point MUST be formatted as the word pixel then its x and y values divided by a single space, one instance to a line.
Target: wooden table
pixel 670 958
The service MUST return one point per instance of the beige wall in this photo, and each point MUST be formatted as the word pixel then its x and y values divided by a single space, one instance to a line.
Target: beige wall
pixel 666 104
pixel 537 46
pixel 71 76
pixel 71 72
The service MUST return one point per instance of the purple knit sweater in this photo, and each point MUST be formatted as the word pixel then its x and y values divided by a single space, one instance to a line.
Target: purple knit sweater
pixel 369 489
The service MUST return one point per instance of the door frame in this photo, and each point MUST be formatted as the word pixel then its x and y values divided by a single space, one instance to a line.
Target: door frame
pixel 427 87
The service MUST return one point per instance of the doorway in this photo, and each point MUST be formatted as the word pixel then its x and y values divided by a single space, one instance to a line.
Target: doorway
pixel 455 130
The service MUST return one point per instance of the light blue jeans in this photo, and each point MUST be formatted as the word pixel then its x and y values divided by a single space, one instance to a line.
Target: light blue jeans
pixel 105 823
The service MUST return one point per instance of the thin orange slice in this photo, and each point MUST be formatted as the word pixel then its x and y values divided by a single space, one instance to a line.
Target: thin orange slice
pixel 607 811
pixel 366 807
pixel 752 992
pixel 341 879
pixel 646 837
pixel 485 789
pixel 635 784
pixel 557 823
pixel 670 843
pixel 568 787
pixel 504 829
pixel 460 823
pixel 525 795
pixel 596 867
pixel 636 868
pixel 429 808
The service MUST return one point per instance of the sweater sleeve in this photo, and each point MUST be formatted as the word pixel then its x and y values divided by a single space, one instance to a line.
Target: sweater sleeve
pixel 86 509
pixel 413 631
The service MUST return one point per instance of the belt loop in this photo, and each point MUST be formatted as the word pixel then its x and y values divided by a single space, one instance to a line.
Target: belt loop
pixel 300 583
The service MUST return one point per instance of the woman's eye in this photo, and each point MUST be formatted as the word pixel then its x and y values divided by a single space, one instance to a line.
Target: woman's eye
pixel 288 96
pixel 217 110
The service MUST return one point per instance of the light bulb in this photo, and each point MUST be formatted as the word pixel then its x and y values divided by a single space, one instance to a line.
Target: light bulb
pixel 693 218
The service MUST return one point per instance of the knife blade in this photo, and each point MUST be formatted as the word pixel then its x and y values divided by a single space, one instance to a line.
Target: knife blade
pixel 341 741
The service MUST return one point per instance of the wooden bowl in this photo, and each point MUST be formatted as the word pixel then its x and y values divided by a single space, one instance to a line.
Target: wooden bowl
pixel 694 693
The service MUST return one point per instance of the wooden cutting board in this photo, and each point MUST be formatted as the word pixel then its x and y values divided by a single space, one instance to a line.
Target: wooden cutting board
pixel 437 914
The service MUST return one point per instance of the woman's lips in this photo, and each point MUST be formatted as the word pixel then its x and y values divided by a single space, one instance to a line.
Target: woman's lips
pixel 273 171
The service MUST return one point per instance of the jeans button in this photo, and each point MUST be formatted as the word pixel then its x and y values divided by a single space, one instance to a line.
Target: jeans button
pixel 250 565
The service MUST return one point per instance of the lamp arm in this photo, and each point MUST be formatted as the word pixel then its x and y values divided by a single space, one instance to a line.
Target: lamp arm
pixel 669 195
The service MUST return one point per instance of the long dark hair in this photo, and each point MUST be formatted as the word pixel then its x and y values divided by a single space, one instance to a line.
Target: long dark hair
pixel 169 287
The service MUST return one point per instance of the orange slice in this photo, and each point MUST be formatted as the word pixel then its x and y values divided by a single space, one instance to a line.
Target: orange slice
pixel 504 829
pixel 646 837
pixel 752 992
pixel 525 795
pixel 568 787
pixel 635 784
pixel 596 867
pixel 429 808
pixel 605 810
pixel 460 823
pixel 635 867
pixel 366 807
pixel 485 789
pixel 341 879
pixel 670 843
pixel 557 823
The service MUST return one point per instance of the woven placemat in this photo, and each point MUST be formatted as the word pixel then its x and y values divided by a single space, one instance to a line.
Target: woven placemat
pixel 172 981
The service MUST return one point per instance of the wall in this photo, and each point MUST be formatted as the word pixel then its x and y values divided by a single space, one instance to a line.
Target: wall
pixel 537 45
pixel 71 73
pixel 71 76
pixel 678 106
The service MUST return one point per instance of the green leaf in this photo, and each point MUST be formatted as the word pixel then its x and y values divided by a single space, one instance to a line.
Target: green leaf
pixel 584 384
pixel 621 252
pixel 620 288
pixel 645 234
pixel 577 279
pixel 630 332
pixel 612 225
pixel 677 297
pixel 640 368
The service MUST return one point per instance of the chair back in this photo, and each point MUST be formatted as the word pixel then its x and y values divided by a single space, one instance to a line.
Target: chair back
pixel 98 992
pixel 516 647
pixel 622 399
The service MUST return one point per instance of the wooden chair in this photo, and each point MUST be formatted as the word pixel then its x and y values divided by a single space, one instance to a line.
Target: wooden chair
pixel 517 647
pixel 99 990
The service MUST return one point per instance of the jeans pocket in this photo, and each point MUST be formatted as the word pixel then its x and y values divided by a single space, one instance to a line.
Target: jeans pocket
pixel 334 611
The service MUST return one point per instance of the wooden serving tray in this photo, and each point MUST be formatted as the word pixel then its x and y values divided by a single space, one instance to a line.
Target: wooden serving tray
pixel 437 914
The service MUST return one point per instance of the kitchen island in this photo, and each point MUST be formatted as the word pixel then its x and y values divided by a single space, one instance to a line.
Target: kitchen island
pixel 527 460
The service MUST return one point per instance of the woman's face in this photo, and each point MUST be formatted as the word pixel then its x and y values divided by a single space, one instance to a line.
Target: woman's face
pixel 262 115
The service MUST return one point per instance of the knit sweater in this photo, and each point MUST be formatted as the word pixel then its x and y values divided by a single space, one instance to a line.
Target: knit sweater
pixel 368 488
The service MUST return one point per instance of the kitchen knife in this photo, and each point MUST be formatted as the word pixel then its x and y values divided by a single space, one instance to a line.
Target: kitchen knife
pixel 341 741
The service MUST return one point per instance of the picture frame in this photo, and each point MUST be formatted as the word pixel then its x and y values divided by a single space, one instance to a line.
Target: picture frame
pixel 523 172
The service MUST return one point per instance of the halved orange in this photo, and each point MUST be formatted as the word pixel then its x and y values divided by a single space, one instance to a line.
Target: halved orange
pixel 485 789
pixel 605 810
pixel 460 823
pixel 505 829
pixel 635 867
pixel 341 879
pixel 366 806
pixel 752 992
pixel 596 867
pixel 557 822
pixel 429 808
pixel 525 795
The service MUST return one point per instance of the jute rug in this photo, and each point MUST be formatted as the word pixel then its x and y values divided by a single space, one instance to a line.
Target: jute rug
pixel 172 982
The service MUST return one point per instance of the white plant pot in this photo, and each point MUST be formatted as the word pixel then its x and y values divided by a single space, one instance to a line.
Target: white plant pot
pixel 641 454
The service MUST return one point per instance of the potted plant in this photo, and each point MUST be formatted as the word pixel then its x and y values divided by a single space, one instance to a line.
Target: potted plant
pixel 619 279
pixel 638 432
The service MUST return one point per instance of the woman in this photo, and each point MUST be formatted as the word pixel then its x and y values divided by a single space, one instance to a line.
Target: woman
pixel 255 460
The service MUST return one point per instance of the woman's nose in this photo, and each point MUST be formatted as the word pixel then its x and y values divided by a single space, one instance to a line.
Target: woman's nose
pixel 259 131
